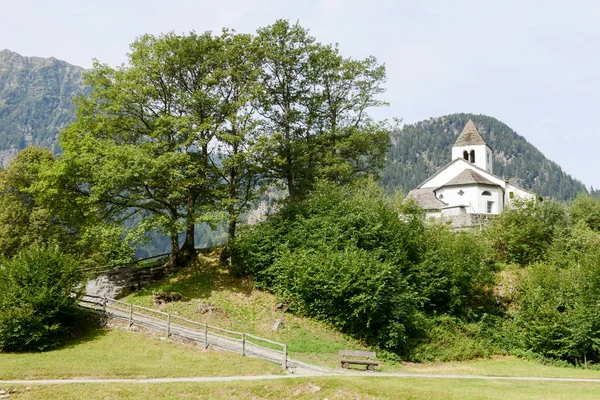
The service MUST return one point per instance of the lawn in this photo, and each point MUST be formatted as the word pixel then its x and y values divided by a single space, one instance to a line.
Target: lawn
pixel 321 388
pixel 104 353
pixel 235 304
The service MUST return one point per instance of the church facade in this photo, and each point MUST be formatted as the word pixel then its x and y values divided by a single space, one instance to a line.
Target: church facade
pixel 466 191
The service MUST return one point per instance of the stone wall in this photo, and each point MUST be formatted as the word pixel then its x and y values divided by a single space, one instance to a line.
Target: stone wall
pixel 122 282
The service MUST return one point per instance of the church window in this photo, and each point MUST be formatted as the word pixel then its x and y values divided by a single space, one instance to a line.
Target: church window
pixel 466 155
pixel 486 193
pixel 441 196
pixel 511 195
pixel 490 207
pixel 472 158
pixel 460 192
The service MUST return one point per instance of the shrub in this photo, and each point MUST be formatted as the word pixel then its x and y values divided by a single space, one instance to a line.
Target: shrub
pixel 456 273
pixel 37 302
pixel 449 338
pixel 559 301
pixel 524 231
pixel 586 208
pixel 342 255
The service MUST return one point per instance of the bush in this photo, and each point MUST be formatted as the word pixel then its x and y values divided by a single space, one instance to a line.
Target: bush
pixel 456 273
pixel 449 338
pixel 524 231
pixel 559 301
pixel 586 208
pixel 37 303
pixel 342 255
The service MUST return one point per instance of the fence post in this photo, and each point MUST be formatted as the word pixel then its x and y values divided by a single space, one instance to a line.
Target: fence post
pixel 205 336
pixel 284 360
pixel 243 344
pixel 168 325
pixel 130 315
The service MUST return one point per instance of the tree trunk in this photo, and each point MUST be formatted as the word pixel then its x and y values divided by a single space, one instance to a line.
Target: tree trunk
pixel 290 179
pixel 188 250
pixel 231 229
pixel 174 261
pixel 232 200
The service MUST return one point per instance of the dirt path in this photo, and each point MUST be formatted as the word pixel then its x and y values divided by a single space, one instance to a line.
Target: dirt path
pixel 292 376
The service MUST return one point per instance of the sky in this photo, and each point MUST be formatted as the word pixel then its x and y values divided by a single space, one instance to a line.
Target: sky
pixel 533 64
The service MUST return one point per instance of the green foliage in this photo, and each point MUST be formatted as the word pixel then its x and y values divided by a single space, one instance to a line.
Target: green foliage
pixel 193 124
pixel 448 338
pixel 314 106
pixel 341 255
pixel 586 208
pixel 523 232
pixel 456 273
pixel 35 208
pixel 23 220
pixel 559 300
pixel 37 303
pixel 421 149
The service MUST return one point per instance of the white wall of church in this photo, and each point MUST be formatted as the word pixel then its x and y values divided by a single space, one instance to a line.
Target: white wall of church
pixel 496 198
pixel 517 193
pixel 472 198
pixel 483 155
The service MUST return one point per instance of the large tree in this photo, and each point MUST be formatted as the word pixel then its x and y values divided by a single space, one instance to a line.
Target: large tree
pixel 143 136
pixel 193 124
pixel 314 107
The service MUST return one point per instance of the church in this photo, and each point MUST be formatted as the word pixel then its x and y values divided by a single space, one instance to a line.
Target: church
pixel 465 191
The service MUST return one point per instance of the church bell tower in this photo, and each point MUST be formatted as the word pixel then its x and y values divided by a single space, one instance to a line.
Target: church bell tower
pixel 471 147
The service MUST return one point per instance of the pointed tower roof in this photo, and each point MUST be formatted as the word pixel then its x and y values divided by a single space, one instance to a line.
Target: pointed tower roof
pixel 470 136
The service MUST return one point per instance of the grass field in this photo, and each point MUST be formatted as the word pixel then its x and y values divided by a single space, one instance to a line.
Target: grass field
pixel 104 353
pixel 116 353
pixel 321 388
pixel 238 305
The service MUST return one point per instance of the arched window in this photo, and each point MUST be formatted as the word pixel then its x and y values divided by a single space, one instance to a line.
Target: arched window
pixel 472 156
pixel 486 193
pixel 466 155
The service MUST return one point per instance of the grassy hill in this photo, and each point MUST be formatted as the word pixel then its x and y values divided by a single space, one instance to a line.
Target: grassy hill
pixel 116 353
pixel 237 305
pixel 420 149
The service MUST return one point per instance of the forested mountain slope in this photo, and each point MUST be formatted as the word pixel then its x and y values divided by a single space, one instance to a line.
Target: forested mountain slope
pixel 36 97
pixel 420 149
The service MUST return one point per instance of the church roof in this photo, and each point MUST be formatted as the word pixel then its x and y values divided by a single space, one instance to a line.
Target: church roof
pixel 468 176
pixel 470 136
pixel 426 199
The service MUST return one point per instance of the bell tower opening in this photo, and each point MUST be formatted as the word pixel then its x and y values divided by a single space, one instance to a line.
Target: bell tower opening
pixel 471 148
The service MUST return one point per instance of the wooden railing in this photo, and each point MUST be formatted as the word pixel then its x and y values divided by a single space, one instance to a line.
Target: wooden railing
pixel 174 325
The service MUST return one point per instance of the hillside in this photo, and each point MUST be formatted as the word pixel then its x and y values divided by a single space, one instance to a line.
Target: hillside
pixel 420 149
pixel 36 97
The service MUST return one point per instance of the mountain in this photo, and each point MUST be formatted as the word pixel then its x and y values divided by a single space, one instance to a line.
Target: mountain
pixel 36 101
pixel 420 149
pixel 36 97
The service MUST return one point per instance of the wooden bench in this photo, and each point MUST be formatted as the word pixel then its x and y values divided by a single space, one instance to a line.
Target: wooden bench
pixel 357 353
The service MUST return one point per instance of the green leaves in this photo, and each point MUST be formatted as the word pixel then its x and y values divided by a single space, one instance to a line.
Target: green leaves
pixel 314 103
pixel 342 255
pixel 37 302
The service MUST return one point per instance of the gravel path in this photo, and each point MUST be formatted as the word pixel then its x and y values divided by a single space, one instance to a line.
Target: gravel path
pixel 294 376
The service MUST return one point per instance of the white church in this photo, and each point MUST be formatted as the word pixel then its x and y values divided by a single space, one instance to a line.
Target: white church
pixel 466 191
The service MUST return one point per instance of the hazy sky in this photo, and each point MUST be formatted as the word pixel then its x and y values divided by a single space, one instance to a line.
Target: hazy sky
pixel 532 64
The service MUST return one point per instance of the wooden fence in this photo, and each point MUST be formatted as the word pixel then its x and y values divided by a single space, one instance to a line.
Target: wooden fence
pixel 174 325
